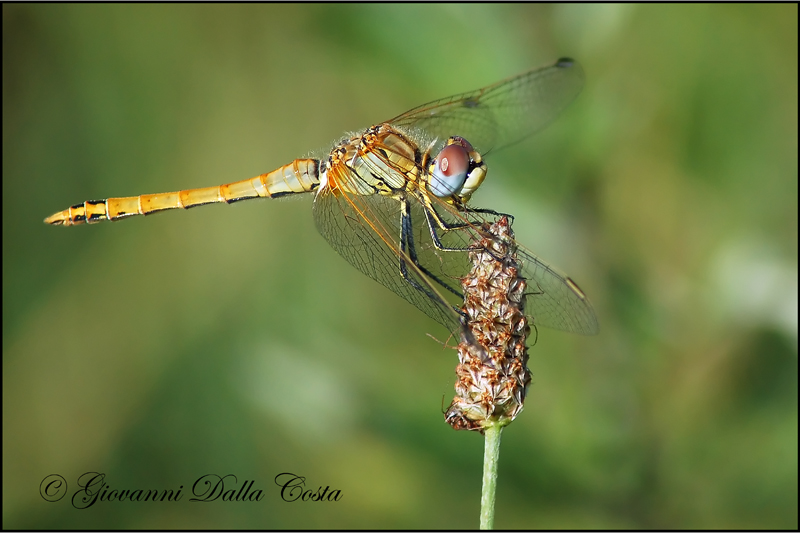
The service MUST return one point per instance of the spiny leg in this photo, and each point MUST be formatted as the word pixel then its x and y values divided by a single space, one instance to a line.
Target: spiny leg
pixel 435 220
pixel 489 212
pixel 407 246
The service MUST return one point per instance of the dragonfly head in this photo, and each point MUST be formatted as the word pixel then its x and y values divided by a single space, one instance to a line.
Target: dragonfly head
pixel 458 170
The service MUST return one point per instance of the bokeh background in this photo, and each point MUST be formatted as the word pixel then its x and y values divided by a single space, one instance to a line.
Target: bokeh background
pixel 233 340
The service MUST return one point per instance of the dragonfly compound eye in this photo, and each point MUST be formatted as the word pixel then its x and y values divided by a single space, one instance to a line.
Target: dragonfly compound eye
pixel 449 171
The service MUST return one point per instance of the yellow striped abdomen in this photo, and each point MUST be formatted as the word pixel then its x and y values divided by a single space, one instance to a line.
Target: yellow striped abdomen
pixel 300 176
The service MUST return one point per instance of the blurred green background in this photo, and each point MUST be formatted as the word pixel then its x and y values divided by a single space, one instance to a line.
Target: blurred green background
pixel 233 339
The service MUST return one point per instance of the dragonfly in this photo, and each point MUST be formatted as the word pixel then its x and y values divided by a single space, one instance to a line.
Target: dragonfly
pixel 394 201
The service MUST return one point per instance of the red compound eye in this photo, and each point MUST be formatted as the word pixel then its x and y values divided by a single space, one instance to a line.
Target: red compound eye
pixel 450 170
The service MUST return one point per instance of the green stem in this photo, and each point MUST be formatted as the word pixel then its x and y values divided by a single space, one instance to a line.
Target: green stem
pixel 491 454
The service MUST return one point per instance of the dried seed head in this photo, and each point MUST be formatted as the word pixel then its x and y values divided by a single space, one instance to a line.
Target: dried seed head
pixel 492 375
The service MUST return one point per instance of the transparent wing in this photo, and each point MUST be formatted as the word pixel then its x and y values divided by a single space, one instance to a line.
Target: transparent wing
pixel 554 300
pixel 500 114
pixel 365 230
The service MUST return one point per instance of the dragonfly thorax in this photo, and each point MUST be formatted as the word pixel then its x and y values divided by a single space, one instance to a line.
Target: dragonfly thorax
pixel 381 161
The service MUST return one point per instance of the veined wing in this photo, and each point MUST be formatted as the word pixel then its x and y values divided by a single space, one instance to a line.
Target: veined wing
pixel 554 300
pixel 503 113
pixel 365 230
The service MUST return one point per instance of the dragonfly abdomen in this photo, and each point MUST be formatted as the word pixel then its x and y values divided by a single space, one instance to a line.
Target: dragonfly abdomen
pixel 299 176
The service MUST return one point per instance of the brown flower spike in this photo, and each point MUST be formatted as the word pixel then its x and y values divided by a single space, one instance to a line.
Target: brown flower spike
pixel 492 376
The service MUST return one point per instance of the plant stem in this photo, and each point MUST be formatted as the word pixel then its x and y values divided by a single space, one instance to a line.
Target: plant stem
pixel 491 454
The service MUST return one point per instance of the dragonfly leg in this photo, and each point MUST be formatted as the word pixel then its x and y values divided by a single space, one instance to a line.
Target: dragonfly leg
pixel 491 212
pixel 435 220
pixel 407 247
pixel 433 215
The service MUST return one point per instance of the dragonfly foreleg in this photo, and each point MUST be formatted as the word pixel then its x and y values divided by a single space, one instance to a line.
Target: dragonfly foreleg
pixel 407 248
pixel 490 212
pixel 435 220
